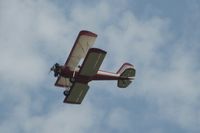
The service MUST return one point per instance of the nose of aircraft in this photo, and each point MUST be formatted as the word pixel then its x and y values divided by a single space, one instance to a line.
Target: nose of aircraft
pixel 55 68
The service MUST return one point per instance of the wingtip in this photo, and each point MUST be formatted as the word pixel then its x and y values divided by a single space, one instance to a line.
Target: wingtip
pixel 86 32
pixel 97 50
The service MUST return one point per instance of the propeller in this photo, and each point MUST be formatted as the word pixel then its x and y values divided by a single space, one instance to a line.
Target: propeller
pixel 51 69
pixel 55 68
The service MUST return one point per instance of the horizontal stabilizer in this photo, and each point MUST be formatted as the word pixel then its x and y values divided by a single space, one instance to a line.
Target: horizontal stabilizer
pixel 127 72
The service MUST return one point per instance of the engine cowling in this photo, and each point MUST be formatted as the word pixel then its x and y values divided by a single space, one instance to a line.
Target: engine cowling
pixel 55 68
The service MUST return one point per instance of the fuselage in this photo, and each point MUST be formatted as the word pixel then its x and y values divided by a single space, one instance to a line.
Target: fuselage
pixel 101 75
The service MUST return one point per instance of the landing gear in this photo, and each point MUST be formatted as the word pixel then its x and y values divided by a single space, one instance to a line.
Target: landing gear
pixel 66 93
pixel 72 80
pixel 56 68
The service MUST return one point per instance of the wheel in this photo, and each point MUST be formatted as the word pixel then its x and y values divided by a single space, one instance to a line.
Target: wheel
pixel 72 80
pixel 66 93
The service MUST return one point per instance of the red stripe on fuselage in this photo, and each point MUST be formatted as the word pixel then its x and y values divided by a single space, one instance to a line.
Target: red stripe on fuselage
pixel 101 75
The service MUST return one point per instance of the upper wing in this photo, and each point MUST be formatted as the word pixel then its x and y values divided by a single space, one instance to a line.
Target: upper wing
pixel 84 41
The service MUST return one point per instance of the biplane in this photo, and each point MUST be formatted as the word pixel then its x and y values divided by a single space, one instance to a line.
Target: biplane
pixel 75 78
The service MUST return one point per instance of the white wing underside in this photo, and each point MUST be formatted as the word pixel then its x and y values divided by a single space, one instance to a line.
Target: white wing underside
pixel 81 47
pixel 83 43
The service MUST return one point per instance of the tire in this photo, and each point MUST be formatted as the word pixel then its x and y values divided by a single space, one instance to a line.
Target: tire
pixel 66 93
pixel 72 80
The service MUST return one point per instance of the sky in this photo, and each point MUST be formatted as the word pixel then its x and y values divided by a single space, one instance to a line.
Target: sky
pixel 160 38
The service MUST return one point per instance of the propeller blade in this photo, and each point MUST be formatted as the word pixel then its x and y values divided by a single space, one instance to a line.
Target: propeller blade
pixel 49 71
pixel 52 69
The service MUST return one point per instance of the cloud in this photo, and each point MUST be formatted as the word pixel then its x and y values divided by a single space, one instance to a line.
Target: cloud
pixel 119 120
pixel 167 67
pixel 35 34
pixel 32 34
pixel 60 119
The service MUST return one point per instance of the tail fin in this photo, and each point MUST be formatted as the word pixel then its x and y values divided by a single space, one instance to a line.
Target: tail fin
pixel 127 72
